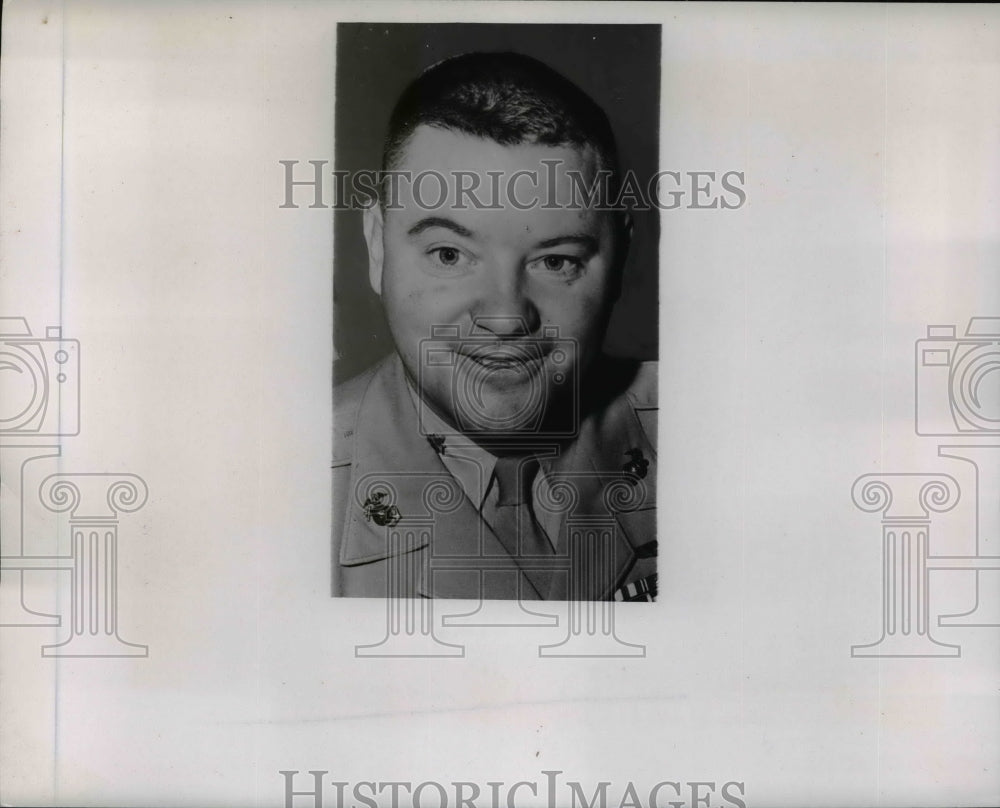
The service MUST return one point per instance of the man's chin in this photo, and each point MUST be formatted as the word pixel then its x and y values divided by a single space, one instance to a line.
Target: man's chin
pixel 500 406
pixel 499 421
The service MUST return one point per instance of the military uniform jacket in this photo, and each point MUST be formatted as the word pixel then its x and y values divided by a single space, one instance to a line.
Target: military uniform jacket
pixel 403 528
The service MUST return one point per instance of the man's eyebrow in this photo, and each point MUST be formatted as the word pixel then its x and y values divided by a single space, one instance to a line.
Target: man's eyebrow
pixel 585 240
pixel 439 221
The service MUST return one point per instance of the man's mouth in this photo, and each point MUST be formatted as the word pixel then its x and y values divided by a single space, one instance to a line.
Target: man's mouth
pixel 513 359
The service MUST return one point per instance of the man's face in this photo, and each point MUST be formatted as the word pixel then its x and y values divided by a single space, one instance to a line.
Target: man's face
pixel 483 303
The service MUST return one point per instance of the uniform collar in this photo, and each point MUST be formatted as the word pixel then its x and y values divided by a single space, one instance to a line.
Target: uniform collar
pixel 469 463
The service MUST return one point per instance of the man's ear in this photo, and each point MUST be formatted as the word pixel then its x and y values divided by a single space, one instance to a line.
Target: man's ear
pixel 373 224
pixel 624 242
pixel 627 228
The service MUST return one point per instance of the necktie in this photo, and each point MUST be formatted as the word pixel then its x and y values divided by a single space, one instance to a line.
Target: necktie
pixel 513 521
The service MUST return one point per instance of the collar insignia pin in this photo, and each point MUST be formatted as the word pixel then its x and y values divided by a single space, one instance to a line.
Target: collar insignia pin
pixel 638 467
pixel 377 510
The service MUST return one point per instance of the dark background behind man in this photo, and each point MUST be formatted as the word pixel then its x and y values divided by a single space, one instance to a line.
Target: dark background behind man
pixel 617 65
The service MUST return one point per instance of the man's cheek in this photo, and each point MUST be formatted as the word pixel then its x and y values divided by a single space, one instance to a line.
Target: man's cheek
pixel 418 289
pixel 409 302
pixel 440 304
pixel 415 299
pixel 581 319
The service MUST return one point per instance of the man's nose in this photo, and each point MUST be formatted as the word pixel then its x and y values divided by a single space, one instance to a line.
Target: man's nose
pixel 505 310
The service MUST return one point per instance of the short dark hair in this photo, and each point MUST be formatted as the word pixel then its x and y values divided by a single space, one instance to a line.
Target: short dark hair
pixel 505 97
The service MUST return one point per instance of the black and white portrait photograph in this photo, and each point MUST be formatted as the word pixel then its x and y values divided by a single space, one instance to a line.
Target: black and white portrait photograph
pixel 499 404
pixel 496 253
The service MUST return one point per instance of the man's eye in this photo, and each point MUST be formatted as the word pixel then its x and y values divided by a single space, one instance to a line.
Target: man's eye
pixel 447 256
pixel 560 264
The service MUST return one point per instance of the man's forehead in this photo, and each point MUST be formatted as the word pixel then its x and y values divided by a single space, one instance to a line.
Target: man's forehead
pixel 437 148
pixel 534 187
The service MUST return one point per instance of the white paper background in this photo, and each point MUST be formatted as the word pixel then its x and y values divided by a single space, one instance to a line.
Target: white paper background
pixel 140 211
